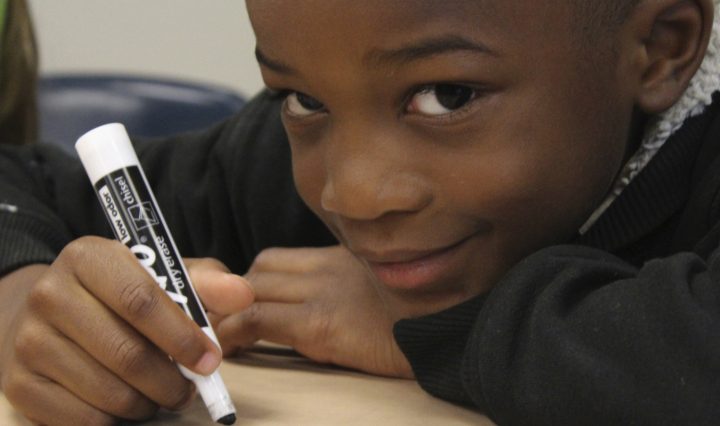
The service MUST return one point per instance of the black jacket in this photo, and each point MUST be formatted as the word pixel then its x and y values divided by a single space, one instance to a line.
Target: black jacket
pixel 621 326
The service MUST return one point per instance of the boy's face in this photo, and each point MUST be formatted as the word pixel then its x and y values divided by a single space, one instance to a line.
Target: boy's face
pixel 442 141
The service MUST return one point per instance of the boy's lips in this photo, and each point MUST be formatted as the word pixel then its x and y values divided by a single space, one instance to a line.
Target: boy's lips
pixel 414 269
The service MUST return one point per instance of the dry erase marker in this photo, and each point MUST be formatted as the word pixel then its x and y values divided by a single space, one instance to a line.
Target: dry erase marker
pixel 132 211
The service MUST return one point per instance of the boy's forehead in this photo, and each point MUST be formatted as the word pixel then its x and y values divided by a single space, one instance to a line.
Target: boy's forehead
pixel 393 16
pixel 396 12
pixel 411 7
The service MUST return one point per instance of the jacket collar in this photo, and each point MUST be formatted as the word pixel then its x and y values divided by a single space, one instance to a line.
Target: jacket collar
pixel 658 192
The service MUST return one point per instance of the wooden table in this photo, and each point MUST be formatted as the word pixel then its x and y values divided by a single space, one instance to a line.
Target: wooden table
pixel 275 386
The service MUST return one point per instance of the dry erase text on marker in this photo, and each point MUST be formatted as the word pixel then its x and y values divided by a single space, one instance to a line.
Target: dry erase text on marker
pixel 146 256
pixel 167 258
pixel 164 251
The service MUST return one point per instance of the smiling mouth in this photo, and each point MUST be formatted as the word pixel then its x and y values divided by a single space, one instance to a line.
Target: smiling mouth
pixel 416 270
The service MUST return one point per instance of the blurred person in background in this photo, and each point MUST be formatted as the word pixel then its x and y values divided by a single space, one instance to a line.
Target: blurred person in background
pixel 18 74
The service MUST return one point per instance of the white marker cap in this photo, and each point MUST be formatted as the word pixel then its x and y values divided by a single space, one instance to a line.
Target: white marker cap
pixel 105 149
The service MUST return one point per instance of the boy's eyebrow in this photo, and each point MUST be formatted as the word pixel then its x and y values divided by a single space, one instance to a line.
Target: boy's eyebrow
pixel 418 50
pixel 272 64
pixel 426 48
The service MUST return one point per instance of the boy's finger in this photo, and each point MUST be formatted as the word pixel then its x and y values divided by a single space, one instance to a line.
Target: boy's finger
pixel 114 276
pixel 118 347
pixel 65 363
pixel 298 260
pixel 221 292
pixel 47 403
pixel 284 324
pixel 282 287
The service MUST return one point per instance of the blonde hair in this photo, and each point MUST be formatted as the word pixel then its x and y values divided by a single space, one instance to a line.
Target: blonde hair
pixel 18 76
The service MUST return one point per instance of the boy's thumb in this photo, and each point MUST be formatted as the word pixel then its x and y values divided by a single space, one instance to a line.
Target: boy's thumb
pixel 221 292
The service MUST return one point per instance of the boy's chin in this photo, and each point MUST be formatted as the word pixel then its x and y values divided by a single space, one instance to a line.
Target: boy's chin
pixel 409 304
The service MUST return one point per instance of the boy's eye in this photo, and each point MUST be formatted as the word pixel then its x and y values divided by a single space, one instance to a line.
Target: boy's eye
pixel 440 99
pixel 302 105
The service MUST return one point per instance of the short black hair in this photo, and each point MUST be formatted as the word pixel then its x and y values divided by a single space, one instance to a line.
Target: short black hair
pixel 600 16
pixel 595 24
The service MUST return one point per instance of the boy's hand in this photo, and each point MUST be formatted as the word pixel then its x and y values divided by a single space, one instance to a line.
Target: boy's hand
pixel 321 302
pixel 87 339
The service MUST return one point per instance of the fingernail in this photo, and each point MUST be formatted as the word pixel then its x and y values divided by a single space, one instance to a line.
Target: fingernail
pixel 209 362
pixel 242 281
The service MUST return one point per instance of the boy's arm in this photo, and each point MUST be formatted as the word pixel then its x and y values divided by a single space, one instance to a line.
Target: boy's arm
pixel 574 335
pixel 31 230
pixel 206 186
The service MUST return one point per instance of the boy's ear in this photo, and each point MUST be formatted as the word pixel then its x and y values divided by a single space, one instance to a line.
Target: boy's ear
pixel 673 36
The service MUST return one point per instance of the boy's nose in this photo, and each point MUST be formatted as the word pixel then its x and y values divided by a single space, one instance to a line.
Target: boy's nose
pixel 366 180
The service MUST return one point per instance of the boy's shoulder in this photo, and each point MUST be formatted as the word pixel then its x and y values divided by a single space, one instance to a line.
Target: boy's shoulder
pixel 674 202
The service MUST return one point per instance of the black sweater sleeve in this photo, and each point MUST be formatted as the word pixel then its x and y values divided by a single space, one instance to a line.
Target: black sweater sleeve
pixel 226 192
pixel 574 335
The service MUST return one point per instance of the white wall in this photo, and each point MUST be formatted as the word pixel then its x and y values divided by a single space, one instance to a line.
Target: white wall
pixel 207 41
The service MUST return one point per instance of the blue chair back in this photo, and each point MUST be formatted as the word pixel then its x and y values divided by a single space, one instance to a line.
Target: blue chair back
pixel 71 104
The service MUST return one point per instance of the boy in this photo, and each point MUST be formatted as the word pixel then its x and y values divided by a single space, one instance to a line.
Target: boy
pixel 524 194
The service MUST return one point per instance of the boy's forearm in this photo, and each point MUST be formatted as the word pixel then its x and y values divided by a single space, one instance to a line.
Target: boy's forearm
pixel 14 290
pixel 576 336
